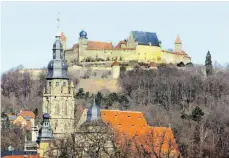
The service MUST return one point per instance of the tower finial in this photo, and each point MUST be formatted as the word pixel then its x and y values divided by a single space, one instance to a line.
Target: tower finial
pixel 58 26
pixel 58 21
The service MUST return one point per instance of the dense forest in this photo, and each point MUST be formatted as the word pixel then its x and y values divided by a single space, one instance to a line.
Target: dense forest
pixel 195 106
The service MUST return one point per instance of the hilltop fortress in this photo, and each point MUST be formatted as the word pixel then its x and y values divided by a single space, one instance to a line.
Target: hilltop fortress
pixel 98 64
pixel 141 47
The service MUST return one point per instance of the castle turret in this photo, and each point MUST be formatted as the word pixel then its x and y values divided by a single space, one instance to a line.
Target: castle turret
pixel 115 70
pixel 83 40
pixel 178 44
pixel 83 44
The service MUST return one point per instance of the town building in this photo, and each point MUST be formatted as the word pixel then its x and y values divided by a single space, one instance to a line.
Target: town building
pixel 24 118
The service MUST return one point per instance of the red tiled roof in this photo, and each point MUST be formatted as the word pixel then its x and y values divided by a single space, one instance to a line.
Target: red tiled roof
pixel 177 53
pixel 128 122
pixel 153 64
pixel 103 46
pixel 133 125
pixel 178 41
pixel 115 63
pixel 75 45
pixel 25 113
pixel 99 45
pixel 62 37
pixel 119 44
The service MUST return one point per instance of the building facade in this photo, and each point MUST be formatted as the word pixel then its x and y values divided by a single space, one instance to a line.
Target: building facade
pixel 58 99
pixel 140 46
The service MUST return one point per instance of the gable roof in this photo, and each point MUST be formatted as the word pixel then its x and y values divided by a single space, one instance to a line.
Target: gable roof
pixel 128 122
pixel 134 126
pixel 119 44
pixel 143 38
pixel 12 117
pixel 99 45
pixel 25 113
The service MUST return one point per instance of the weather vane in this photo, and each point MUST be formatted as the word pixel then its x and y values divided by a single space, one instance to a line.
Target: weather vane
pixel 58 20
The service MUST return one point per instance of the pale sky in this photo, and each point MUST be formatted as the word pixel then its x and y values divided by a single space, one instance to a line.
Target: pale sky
pixel 28 28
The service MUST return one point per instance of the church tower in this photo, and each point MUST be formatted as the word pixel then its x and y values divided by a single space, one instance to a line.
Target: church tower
pixel 45 136
pixel 178 44
pixel 58 99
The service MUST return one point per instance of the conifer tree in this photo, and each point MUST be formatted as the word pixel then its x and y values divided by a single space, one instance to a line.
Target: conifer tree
pixel 208 64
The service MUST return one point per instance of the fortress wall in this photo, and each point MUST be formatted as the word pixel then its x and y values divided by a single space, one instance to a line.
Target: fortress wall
pixel 93 72
pixel 126 55
pixel 96 85
pixel 104 54
pixel 168 58
pixel 148 53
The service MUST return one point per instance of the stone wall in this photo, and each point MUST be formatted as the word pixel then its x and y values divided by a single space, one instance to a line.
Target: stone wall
pixel 97 85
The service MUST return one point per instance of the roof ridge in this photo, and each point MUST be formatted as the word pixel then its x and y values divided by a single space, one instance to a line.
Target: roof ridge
pixel 101 42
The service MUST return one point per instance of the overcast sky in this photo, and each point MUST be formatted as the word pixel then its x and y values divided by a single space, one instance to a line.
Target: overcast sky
pixel 29 28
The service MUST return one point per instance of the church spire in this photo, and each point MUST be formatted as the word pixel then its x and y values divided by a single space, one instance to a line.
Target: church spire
pixel 57 68
pixel 94 113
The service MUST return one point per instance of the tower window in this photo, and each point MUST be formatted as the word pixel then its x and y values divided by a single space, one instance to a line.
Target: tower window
pixel 57 83
pixel 50 84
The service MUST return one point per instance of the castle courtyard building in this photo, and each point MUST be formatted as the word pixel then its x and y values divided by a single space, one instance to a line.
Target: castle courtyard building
pixel 140 47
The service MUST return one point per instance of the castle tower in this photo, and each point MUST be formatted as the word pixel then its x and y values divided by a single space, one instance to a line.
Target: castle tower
pixel 58 99
pixel 45 135
pixel 115 70
pixel 83 44
pixel 178 44
pixel 63 41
